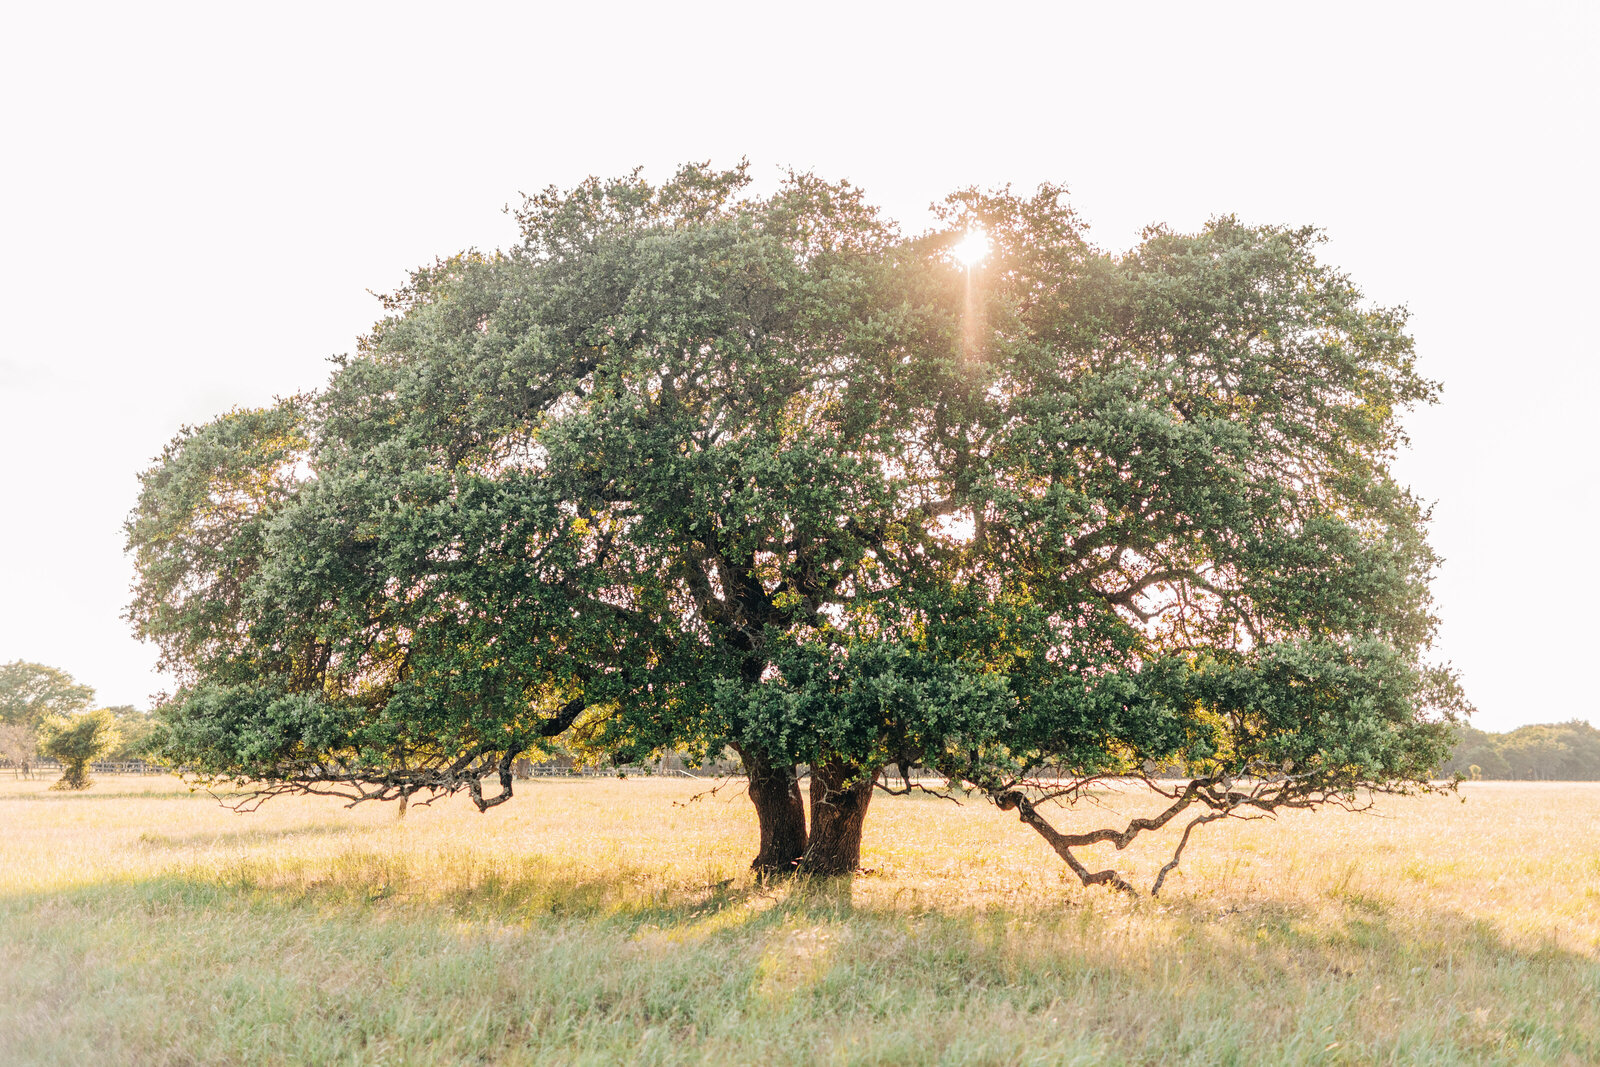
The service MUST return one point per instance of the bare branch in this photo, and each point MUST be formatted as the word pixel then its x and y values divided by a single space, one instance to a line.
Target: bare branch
pixel 1177 853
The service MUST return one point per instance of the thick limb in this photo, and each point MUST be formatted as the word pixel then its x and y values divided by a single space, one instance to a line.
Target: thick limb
pixel 1062 843
pixel 1218 795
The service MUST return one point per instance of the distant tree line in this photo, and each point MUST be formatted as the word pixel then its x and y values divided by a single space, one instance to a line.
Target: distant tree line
pixel 1554 752
pixel 45 713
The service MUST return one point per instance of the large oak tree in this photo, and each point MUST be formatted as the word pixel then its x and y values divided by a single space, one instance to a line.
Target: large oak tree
pixel 693 468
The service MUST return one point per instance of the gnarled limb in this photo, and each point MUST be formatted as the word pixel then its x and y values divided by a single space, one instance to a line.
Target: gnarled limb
pixel 1222 801
pixel 1060 842
pixel 564 717
pixel 475 785
pixel 1223 795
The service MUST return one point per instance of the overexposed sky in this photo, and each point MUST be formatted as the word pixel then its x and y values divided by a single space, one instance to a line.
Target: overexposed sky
pixel 195 200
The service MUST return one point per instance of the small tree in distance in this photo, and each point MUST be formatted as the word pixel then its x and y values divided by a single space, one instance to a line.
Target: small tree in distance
pixel 77 741
pixel 691 468
pixel 18 746
pixel 30 694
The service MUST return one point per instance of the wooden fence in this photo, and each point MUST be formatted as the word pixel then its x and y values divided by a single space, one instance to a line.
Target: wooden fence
pixel 50 768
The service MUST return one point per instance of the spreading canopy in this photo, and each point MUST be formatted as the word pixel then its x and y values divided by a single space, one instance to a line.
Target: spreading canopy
pixel 692 468
pixel 32 692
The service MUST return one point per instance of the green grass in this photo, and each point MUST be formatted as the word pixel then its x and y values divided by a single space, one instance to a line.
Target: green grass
pixel 602 922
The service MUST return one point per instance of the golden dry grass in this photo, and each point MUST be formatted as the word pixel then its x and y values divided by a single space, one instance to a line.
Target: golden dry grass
pixel 604 921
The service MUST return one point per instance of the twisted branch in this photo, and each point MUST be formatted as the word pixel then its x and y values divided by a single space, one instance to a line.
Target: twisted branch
pixel 1222 795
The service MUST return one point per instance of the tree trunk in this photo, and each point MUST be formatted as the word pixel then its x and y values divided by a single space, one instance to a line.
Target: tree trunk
pixel 840 793
pixel 775 791
pixel 75 775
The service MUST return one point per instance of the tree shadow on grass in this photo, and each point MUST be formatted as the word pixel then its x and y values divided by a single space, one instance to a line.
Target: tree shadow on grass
pixel 1180 981
pixel 245 868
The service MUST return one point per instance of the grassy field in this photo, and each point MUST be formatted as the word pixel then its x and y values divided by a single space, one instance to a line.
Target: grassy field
pixel 604 921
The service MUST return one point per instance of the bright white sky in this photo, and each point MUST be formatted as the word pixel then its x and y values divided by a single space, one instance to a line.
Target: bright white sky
pixel 196 200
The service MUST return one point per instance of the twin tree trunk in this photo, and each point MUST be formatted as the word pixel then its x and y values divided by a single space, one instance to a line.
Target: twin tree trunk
pixel 840 793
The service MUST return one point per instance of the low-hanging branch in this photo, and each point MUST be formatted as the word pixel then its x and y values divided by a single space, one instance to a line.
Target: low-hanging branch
pixel 401 775
pixel 360 782
pixel 1223 797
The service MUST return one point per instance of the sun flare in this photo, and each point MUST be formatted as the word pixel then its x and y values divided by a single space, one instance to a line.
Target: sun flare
pixel 972 249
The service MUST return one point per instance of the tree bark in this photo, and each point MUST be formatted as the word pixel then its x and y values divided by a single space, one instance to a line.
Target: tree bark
pixel 775 791
pixel 75 775
pixel 840 793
